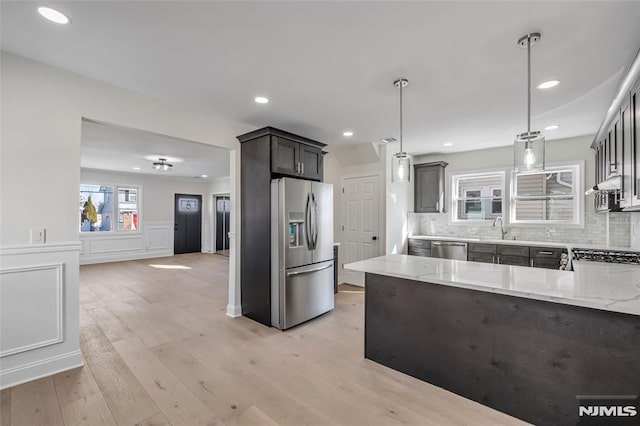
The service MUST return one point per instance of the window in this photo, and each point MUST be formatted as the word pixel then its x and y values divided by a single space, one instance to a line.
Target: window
pixel 477 196
pixel 98 208
pixel 551 196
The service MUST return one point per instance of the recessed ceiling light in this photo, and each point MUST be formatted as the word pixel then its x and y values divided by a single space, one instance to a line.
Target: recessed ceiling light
pixel 261 100
pixel 347 133
pixel 136 168
pixel 553 127
pixel 548 84
pixel 53 15
pixel 448 144
pixel 205 176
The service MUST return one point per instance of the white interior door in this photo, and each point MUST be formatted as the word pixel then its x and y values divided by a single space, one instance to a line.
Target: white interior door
pixel 360 223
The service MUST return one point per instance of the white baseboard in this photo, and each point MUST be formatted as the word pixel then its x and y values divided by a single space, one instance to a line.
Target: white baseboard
pixel 88 260
pixel 234 311
pixel 39 369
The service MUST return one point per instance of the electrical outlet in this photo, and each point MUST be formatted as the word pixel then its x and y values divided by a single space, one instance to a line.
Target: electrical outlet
pixel 38 235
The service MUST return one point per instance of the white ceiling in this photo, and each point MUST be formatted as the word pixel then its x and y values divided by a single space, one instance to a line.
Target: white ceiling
pixel 120 149
pixel 329 66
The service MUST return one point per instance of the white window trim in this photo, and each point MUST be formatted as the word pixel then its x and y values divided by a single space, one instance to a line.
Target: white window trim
pixel 453 213
pixel 578 222
pixel 116 210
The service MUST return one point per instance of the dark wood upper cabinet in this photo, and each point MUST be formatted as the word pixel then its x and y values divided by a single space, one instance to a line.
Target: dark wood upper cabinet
pixel 635 144
pixel 429 184
pixel 285 155
pixel 311 161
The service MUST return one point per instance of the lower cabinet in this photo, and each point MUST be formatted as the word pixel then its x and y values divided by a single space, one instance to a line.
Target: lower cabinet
pixel 503 254
pixel 481 257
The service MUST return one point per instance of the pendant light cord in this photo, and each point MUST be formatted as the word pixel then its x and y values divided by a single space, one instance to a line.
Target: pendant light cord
pixel 529 84
pixel 401 151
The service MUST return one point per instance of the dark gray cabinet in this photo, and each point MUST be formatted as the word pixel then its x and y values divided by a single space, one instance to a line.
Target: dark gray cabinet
pixel 419 247
pixel 429 186
pixel 296 159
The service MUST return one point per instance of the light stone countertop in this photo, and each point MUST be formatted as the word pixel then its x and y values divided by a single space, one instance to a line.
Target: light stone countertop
pixel 609 287
pixel 523 243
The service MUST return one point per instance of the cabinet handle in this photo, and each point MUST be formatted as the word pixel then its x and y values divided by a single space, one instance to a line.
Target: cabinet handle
pixel 531 262
pixel 549 253
pixel 493 259
pixel 498 257
pixel 302 168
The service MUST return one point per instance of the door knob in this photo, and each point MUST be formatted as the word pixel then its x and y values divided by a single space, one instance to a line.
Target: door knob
pixel 374 238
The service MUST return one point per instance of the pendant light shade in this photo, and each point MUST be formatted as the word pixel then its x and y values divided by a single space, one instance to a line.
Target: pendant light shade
pixel 528 148
pixel 401 162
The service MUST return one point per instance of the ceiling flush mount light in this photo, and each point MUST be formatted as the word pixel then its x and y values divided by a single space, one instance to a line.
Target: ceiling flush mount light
pixel 347 134
pixel 162 166
pixel 552 127
pixel 528 149
pixel 448 144
pixel 261 100
pixel 53 15
pixel 388 140
pixel 136 168
pixel 401 163
pixel 548 84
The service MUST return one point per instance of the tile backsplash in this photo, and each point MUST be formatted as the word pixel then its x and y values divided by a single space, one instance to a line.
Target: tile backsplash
pixel 613 229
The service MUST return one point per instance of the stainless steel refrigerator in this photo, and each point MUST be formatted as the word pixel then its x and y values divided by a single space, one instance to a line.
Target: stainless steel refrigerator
pixel 301 251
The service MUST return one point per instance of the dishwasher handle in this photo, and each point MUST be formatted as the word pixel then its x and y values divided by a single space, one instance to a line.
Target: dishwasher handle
pixel 448 243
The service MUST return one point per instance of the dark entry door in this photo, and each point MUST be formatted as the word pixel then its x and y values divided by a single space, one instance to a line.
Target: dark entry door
pixel 223 217
pixel 187 224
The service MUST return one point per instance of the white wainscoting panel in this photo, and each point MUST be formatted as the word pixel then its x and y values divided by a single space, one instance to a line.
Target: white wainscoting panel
pixel 116 244
pixel 39 311
pixel 158 237
pixel 31 311
pixel 154 239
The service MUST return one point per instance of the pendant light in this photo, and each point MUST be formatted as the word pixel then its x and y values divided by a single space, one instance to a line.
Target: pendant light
pixel 528 149
pixel 401 163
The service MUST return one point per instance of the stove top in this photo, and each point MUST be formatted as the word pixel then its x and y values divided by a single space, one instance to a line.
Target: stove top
pixel 606 256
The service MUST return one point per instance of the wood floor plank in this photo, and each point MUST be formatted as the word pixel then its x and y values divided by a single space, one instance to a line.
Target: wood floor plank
pixel 90 410
pixel 127 399
pixel 75 384
pixel 5 407
pixel 175 401
pixel 157 420
pixel 35 403
pixel 252 416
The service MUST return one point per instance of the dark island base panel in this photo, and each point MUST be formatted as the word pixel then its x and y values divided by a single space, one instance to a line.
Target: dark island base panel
pixel 527 358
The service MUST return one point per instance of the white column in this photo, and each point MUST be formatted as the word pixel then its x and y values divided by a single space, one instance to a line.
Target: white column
pixel 234 308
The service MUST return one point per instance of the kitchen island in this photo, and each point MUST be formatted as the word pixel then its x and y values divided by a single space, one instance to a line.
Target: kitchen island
pixel 521 340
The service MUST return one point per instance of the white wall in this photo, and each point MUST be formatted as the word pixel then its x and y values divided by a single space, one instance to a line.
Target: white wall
pixel 42 109
pixel 155 231
pixel 399 204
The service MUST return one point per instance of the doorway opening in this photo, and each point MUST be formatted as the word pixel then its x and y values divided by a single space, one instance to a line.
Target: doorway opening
pixel 222 205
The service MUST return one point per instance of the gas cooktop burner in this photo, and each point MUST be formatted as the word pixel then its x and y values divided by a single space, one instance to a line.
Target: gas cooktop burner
pixel 608 256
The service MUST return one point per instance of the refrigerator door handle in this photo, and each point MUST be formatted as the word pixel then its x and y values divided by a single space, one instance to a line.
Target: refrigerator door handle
pixel 315 220
pixel 307 220
pixel 308 271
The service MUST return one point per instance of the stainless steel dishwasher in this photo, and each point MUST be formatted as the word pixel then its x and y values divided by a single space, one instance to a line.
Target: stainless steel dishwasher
pixel 449 250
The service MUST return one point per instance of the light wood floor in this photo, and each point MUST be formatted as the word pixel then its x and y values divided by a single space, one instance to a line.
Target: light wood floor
pixel 159 350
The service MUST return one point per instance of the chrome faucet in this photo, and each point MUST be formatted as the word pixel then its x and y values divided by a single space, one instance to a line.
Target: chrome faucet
pixel 502 231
